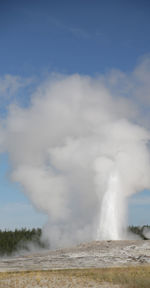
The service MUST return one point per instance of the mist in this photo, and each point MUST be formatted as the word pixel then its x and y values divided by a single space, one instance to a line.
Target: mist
pixel 80 150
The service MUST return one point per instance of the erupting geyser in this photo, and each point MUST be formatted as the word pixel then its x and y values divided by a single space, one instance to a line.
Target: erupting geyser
pixel 113 210
pixel 78 153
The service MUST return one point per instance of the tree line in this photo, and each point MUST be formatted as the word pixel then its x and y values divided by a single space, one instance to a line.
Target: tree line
pixel 13 241
pixel 139 230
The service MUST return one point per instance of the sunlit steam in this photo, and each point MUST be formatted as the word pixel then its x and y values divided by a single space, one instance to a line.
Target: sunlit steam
pixel 79 152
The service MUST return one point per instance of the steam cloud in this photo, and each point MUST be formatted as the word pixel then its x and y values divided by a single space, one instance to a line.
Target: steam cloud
pixel 80 150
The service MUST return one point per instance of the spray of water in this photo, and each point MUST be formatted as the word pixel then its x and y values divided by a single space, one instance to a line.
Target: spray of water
pixel 113 208
pixel 79 152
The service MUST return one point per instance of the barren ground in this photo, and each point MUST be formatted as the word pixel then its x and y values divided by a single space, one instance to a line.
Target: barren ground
pixel 87 255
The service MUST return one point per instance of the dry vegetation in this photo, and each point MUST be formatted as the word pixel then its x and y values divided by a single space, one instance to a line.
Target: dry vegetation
pixel 128 277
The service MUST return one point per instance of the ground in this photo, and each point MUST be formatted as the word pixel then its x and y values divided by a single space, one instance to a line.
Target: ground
pixel 97 264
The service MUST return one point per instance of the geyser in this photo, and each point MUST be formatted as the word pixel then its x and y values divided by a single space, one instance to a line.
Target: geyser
pixel 78 153
pixel 113 208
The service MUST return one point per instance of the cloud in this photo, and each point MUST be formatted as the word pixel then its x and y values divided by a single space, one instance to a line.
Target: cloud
pixel 9 85
pixel 141 75
pixel 133 88
pixel 78 32
pixel 79 150
pixel 74 31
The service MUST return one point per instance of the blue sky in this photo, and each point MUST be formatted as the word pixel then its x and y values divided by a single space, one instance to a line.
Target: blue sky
pixel 72 36
pixel 85 37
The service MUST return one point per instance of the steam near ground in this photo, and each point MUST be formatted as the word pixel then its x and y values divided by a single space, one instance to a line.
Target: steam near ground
pixel 146 232
pixel 80 150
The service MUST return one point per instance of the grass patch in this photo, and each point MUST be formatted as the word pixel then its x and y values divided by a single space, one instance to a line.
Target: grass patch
pixel 128 277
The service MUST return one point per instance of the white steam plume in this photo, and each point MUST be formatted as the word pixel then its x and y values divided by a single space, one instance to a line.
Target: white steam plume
pixel 78 155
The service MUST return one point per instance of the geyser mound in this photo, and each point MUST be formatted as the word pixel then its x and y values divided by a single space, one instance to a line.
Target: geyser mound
pixel 78 155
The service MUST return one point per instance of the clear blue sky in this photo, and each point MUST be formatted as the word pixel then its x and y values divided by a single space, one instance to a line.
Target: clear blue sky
pixel 72 36
pixel 75 36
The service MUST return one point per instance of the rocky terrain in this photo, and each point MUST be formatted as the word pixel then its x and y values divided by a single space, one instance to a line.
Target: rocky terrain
pixel 94 254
